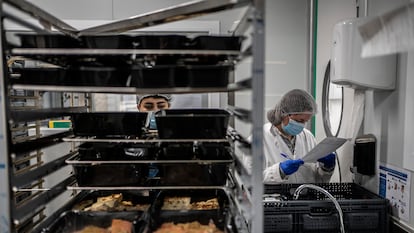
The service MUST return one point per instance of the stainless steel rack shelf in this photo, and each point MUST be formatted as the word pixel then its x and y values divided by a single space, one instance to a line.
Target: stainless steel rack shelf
pixel 126 90
pixel 89 52
pixel 145 188
pixel 15 217
pixel 138 141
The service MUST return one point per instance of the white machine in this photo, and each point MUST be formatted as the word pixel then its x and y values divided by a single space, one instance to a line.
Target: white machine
pixel 348 68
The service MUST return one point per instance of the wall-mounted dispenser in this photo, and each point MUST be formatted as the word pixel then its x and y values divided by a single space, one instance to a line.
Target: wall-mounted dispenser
pixel 364 155
pixel 348 68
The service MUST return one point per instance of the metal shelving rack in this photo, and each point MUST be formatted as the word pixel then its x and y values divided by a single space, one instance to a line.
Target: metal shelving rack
pixel 249 211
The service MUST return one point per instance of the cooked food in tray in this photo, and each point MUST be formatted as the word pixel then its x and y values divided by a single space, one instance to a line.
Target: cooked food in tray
pixel 191 227
pixel 97 222
pixel 113 202
pixel 117 226
pixel 184 203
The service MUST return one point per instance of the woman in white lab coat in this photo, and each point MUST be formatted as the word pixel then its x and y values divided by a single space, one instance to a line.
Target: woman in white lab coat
pixel 286 141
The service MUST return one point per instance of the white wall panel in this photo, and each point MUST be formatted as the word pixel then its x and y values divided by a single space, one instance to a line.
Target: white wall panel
pixel 77 9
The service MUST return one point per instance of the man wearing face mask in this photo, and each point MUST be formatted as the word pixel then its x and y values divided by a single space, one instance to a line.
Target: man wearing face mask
pixel 286 141
pixel 152 103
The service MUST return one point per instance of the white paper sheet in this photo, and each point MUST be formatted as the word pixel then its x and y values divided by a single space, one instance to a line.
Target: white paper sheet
pixel 326 146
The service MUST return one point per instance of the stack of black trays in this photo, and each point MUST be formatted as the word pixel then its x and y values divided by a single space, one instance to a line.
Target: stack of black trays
pixel 126 70
pixel 363 210
pixel 194 157
pixel 151 214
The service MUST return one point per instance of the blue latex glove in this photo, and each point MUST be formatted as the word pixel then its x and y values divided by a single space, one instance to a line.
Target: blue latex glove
pixel 328 161
pixel 290 166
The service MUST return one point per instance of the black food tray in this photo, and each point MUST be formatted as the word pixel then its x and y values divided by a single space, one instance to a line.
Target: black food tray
pixel 116 151
pixel 193 174
pixel 168 76
pixel 192 123
pixel 108 42
pixel 363 210
pixel 161 41
pixel 217 42
pixel 108 173
pixel 219 216
pixel 73 76
pixel 189 150
pixel 133 196
pixel 109 124
pixel 72 221
pixel 49 41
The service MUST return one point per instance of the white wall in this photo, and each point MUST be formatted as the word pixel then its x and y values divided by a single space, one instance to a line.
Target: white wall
pixel 388 115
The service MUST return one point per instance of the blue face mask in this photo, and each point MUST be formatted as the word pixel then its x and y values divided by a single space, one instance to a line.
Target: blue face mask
pixel 293 127
pixel 152 122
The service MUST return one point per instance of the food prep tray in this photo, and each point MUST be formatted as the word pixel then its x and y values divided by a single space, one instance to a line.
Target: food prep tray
pixel 102 76
pixel 192 123
pixel 191 150
pixel 116 151
pixel 115 200
pixel 142 172
pixel 217 42
pixel 109 124
pixel 168 76
pixel 73 221
pixel 180 198
pixel 108 42
pixel 161 41
pixel 108 173
pixel 49 41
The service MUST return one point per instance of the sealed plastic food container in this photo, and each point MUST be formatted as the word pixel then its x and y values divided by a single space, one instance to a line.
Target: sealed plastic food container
pixel 108 42
pixel 190 150
pixel 109 124
pixel 161 41
pixel 217 42
pixel 192 123
pixel 39 76
pixel 49 41
pixel 98 76
pixel 208 75
pixel 92 173
pixel 116 151
pixel 81 221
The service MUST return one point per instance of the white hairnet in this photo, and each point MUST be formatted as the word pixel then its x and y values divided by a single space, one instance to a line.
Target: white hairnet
pixel 143 96
pixel 293 102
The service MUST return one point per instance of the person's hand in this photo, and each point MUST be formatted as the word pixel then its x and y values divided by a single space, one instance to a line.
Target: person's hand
pixel 328 161
pixel 290 166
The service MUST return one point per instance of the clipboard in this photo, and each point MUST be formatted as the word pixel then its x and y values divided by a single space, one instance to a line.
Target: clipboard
pixel 326 146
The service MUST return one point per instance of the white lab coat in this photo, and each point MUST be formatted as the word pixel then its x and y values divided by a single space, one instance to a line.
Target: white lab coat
pixel 274 146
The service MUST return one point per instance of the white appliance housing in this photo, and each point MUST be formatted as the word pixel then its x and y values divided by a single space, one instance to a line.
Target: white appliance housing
pixel 348 68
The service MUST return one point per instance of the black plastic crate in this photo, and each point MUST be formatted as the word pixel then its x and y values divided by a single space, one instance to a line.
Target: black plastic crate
pixel 192 123
pixel 72 221
pixel 363 210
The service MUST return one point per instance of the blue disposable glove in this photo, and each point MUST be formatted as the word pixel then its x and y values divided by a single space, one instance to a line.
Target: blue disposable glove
pixel 290 166
pixel 328 161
